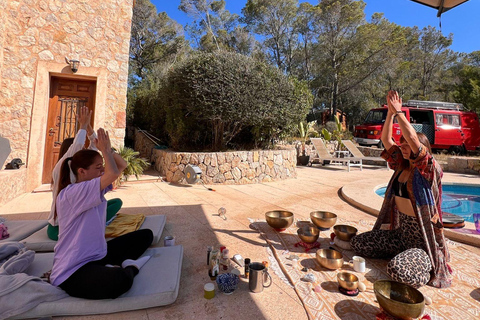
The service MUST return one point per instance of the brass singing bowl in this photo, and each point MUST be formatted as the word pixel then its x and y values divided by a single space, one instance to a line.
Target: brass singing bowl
pixel 279 219
pixel 344 232
pixel 308 234
pixel 330 259
pixel 398 299
pixel 347 280
pixel 323 219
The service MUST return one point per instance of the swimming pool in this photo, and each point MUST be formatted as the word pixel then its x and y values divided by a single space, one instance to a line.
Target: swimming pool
pixel 463 200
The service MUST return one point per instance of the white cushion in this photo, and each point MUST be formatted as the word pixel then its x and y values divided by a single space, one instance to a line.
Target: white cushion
pixel 40 242
pixel 20 229
pixel 156 285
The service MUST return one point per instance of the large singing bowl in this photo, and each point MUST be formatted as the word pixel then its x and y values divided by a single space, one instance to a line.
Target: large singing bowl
pixel 330 259
pixel 347 280
pixel 323 219
pixel 398 299
pixel 308 234
pixel 279 220
pixel 344 232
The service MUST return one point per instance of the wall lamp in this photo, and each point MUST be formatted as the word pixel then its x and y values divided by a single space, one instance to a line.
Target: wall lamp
pixel 74 64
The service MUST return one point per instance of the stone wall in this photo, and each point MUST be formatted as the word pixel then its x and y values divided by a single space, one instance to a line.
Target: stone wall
pixel 459 164
pixel 144 145
pixel 12 184
pixel 36 37
pixel 370 151
pixel 237 167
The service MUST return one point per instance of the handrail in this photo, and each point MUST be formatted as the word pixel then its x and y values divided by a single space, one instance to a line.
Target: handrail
pixel 150 136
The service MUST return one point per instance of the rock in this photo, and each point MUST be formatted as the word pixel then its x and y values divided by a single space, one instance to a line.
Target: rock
pixel 362 287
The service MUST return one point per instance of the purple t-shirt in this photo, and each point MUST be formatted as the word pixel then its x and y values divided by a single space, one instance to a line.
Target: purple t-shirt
pixel 81 213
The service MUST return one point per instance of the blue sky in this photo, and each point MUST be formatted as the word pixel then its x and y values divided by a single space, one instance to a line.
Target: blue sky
pixel 463 21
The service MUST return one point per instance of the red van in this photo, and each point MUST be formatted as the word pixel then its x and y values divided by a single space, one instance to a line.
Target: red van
pixel 445 124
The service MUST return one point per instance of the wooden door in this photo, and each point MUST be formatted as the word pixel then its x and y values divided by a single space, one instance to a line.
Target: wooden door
pixel 66 97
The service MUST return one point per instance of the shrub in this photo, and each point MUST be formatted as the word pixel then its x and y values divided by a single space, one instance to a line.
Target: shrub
pixel 211 99
pixel 135 165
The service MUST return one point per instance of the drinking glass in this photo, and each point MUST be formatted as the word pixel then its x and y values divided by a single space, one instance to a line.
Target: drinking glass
pixel 476 219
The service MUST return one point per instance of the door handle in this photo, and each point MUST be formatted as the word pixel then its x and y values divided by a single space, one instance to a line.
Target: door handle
pixel 51 132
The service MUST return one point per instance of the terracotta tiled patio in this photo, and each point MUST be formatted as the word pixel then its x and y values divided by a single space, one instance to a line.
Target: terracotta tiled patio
pixel 192 218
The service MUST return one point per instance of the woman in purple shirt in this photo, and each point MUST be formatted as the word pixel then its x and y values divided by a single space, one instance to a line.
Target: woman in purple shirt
pixel 85 265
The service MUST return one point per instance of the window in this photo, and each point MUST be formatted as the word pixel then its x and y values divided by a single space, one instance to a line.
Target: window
pixel 376 116
pixel 443 119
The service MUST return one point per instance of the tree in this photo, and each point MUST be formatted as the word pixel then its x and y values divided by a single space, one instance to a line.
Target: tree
pixel 306 28
pixel 274 20
pixel 434 56
pixel 154 38
pixel 349 49
pixel 216 28
pixel 156 43
pixel 468 89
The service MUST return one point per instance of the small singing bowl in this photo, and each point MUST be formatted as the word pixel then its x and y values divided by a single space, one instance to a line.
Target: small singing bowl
pixel 279 220
pixel 398 299
pixel 308 234
pixel 347 280
pixel 344 232
pixel 330 259
pixel 323 219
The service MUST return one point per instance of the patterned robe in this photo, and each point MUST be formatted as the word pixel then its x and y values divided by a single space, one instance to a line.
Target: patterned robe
pixel 425 193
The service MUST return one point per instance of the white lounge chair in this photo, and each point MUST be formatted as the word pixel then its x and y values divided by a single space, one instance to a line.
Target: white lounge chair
pixel 325 157
pixel 352 148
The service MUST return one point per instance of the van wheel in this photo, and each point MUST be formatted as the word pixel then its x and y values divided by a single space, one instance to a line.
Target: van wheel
pixel 456 150
pixel 380 145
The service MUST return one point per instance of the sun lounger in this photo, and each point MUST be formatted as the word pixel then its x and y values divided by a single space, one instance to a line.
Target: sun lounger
pixel 21 229
pixel 324 156
pixel 352 148
pixel 156 285
pixel 40 242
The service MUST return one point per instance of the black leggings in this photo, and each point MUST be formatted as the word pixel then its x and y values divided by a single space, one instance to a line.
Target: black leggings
pixel 96 281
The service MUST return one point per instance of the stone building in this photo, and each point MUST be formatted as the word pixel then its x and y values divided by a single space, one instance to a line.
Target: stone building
pixel 39 92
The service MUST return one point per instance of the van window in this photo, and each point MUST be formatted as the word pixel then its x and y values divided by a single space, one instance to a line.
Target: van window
pixel 447 119
pixel 376 116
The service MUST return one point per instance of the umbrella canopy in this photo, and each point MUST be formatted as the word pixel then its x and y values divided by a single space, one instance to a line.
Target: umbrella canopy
pixel 441 5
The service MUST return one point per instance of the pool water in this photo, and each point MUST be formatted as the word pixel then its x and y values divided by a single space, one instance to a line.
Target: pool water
pixel 462 200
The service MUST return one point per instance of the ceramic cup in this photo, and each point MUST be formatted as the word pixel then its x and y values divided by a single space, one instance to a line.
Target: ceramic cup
pixel 358 264
pixel 169 241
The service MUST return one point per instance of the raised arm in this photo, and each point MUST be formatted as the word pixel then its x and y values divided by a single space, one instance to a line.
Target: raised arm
pixel 121 163
pixel 387 130
pixel 410 135
pixel 92 137
pixel 112 171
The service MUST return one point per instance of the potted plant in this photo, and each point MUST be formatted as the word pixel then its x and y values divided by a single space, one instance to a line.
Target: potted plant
pixel 336 135
pixel 306 130
pixel 135 165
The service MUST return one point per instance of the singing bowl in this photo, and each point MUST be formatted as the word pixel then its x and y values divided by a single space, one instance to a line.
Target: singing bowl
pixel 279 219
pixel 344 232
pixel 347 280
pixel 308 234
pixel 398 299
pixel 330 259
pixel 323 219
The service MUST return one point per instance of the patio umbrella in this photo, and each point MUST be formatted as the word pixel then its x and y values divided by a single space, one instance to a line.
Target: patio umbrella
pixel 441 5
